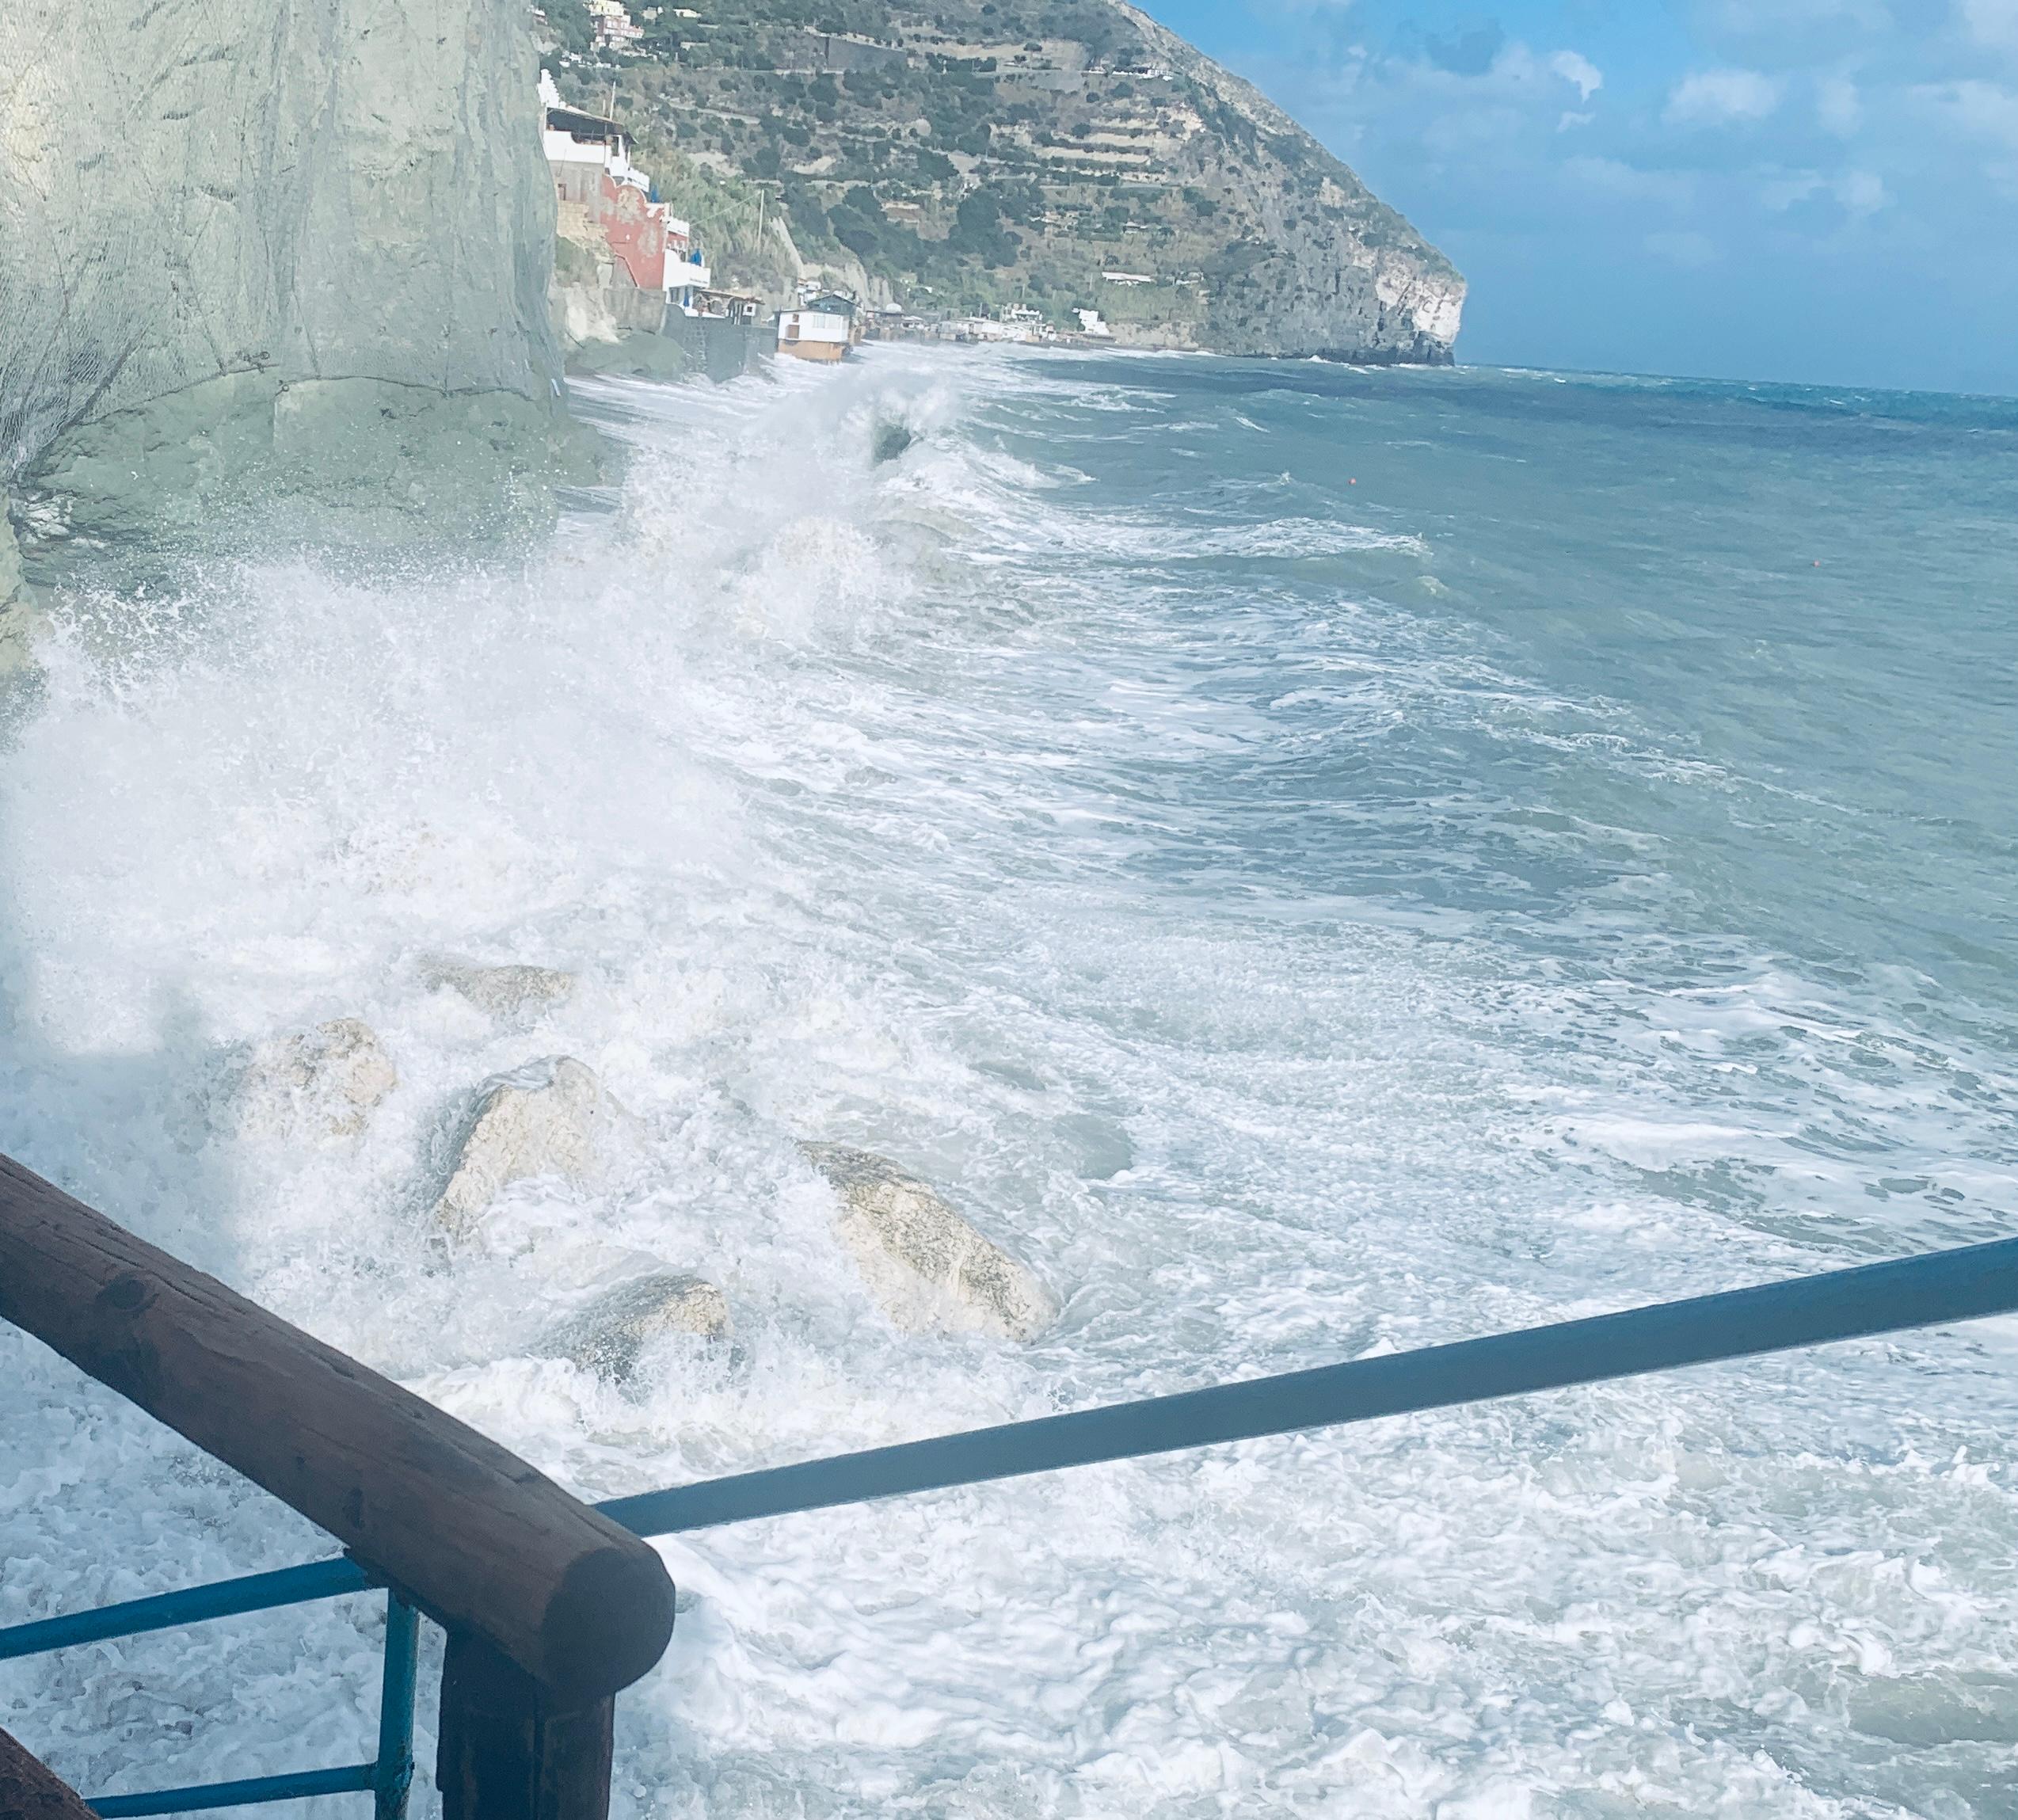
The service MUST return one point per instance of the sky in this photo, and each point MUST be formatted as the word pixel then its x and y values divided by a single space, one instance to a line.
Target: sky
pixel 1822 191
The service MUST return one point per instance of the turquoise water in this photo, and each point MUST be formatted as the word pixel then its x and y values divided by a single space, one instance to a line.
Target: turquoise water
pixel 1660 688
pixel 1317 862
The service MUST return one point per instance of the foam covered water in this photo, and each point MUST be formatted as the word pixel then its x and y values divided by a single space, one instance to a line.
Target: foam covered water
pixel 1318 863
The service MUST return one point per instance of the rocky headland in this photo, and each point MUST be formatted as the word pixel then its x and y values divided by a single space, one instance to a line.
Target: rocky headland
pixel 1043 156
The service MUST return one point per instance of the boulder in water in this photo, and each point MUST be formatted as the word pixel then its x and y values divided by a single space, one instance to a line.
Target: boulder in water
pixel 893 436
pixel 612 1332
pixel 551 1118
pixel 508 994
pixel 930 1270
pixel 318 1083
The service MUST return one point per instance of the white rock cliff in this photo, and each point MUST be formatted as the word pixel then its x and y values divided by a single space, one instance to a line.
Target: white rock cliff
pixel 213 203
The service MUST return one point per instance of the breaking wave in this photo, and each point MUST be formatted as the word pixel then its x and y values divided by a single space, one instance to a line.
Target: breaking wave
pixel 1255 904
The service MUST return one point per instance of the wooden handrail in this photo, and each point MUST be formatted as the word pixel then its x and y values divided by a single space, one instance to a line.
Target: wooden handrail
pixel 30 1790
pixel 488 1547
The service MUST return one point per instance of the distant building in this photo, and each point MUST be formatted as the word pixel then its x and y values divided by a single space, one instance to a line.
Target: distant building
pixel 821 328
pixel 686 274
pixel 730 305
pixel 614 28
pixel 606 204
pixel 1093 325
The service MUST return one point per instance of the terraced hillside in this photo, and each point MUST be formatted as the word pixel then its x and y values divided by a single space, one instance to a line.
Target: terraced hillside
pixel 950 156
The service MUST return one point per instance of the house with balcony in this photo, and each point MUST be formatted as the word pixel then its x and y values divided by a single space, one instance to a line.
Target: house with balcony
pixel 820 327
pixel 646 258
pixel 686 274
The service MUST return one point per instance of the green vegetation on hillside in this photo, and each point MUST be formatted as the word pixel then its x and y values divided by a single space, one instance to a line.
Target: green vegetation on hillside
pixel 964 154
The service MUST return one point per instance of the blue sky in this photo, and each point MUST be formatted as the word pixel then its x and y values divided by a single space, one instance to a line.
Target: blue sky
pixel 1820 190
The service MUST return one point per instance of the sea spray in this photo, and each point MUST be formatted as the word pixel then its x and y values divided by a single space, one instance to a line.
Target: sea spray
pixel 1094 810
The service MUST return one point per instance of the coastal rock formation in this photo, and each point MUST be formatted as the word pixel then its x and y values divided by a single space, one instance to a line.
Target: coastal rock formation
pixel 17 615
pixel 929 1271
pixel 551 1118
pixel 1321 265
pixel 508 994
pixel 610 1335
pixel 631 356
pixel 318 1083
pixel 959 156
pixel 342 194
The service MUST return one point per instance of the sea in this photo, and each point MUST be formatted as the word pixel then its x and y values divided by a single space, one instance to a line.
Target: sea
pixel 1317 862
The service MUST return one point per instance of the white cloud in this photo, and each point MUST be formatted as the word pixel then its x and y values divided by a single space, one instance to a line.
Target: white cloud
pixel 1838 107
pixel 1783 193
pixel 1858 192
pixel 1688 250
pixel 1573 66
pixel 1722 97
pixel 1982 110
pixel 1614 180
pixel 1993 22
pixel 1519 91
pixel 1756 17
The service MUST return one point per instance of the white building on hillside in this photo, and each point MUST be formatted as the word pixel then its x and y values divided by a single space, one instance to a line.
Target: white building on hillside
pixel 822 328
pixel 614 27
pixel 605 201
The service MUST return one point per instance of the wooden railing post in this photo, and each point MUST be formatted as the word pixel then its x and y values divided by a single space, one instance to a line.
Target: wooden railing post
pixel 550 1608
pixel 470 1533
pixel 509 1750
pixel 29 1791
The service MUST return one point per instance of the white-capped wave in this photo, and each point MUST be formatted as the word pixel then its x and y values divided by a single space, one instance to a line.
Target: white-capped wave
pixel 964 806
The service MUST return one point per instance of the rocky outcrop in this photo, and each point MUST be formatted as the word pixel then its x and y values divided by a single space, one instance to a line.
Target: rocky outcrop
pixel 18 620
pixel 321 1083
pixel 632 357
pixel 551 1118
pixel 335 194
pixel 1033 152
pixel 1317 264
pixel 508 994
pixel 11 581
pixel 610 1335
pixel 351 462
pixel 928 1269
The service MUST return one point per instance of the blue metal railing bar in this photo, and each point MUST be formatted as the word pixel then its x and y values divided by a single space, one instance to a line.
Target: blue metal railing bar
pixel 1964 1284
pixel 1960 1285
pixel 388 1778
pixel 354 1779
pixel 166 1611
pixel 392 1774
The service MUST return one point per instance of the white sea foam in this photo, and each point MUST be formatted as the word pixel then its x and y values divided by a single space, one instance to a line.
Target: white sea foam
pixel 902 805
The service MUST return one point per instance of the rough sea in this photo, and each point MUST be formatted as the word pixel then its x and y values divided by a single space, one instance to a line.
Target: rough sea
pixel 1318 862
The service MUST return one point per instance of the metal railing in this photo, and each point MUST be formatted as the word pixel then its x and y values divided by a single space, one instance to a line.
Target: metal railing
pixel 1965 1284
pixel 387 1778
pixel 548 1608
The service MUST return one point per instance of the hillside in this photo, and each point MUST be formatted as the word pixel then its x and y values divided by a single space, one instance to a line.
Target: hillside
pixel 953 156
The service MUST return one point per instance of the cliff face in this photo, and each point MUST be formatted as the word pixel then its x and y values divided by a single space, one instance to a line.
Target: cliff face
pixel 1320 264
pixel 952 155
pixel 205 203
